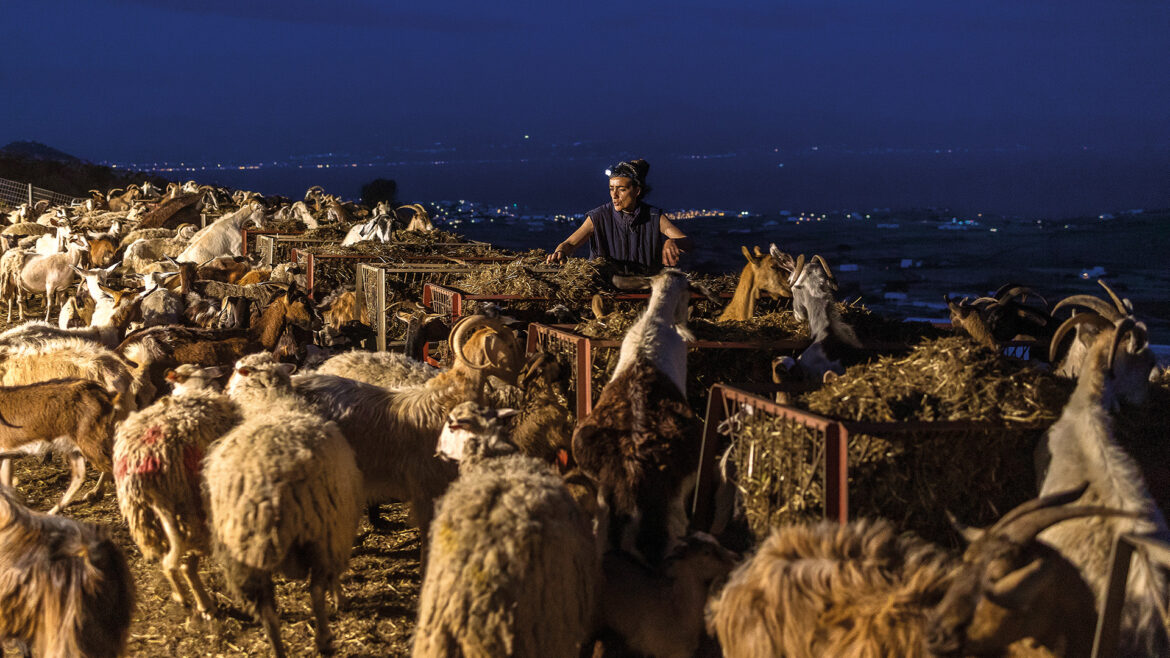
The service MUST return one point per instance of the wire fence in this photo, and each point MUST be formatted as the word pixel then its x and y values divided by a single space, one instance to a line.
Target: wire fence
pixel 14 193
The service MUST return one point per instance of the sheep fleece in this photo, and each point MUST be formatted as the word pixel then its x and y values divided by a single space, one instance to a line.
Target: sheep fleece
pixel 158 456
pixel 512 567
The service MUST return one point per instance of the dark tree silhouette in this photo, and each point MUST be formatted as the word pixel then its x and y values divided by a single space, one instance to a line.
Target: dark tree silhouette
pixel 379 189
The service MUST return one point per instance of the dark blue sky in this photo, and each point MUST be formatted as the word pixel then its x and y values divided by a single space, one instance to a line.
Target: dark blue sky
pixel 127 80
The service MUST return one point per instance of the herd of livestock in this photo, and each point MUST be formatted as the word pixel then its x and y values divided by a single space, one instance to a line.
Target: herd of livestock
pixel 542 534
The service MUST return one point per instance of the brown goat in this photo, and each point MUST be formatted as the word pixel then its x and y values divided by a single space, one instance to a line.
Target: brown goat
pixel 762 274
pixel 544 427
pixel 863 589
pixel 102 250
pixel 65 588
pixel 76 416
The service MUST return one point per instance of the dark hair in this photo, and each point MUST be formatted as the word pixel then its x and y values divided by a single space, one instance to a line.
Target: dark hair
pixel 635 170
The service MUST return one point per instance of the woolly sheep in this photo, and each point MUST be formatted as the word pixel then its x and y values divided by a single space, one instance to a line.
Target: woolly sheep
pixel 158 455
pixel 283 492
pixel 512 565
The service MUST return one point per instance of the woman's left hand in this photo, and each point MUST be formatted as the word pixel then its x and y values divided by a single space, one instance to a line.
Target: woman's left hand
pixel 670 253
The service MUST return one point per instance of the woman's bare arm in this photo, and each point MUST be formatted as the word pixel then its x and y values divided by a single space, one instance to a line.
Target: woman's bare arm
pixel 578 238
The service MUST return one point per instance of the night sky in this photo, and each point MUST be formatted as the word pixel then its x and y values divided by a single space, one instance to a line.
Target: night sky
pixel 222 79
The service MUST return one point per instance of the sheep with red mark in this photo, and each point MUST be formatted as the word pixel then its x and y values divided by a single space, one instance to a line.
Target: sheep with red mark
pixel 158 457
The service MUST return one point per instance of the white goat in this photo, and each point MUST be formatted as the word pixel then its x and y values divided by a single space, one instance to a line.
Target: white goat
pixel 222 238
pixel 51 275
pixel 1081 446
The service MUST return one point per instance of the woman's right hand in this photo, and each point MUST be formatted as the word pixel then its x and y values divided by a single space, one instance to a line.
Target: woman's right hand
pixel 556 256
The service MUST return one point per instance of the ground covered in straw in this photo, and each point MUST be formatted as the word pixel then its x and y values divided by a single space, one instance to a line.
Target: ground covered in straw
pixel 381 587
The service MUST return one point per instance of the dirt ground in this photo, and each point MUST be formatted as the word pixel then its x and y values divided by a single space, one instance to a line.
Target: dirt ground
pixel 381 588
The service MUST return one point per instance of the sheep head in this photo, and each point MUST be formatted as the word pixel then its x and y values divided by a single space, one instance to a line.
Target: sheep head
pixel 189 377
pixel 1007 584
pixel 474 431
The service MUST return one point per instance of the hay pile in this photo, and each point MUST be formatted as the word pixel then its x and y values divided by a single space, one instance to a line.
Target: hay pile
pixel 572 283
pixel 908 474
pixel 945 379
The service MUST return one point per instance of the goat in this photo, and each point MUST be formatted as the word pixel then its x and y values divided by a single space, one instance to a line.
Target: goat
pixel 659 612
pixel 543 428
pixel 394 432
pixel 420 219
pixel 182 209
pixel 762 274
pixel 50 274
pixel 993 321
pixel 864 589
pixel 1081 445
pixel 1087 326
pixel 73 416
pixel 65 587
pixel 833 341
pixel 222 238
pixel 641 441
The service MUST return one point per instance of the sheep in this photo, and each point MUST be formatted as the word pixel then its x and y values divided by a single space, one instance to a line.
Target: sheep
pixel 73 416
pixel 394 432
pixel 641 442
pixel 1081 445
pixel 65 587
pixel 512 566
pixel 762 274
pixel 834 342
pixel 385 369
pixel 863 589
pixel 283 491
pixel 158 455
pixel 141 255
pixel 660 612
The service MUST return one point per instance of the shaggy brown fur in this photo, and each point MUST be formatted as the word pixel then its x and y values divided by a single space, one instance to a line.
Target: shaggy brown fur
pixel 158 462
pixel 544 426
pixel 72 414
pixel 101 251
pixel 640 444
pixel 172 212
pixel 65 589
pixel 832 590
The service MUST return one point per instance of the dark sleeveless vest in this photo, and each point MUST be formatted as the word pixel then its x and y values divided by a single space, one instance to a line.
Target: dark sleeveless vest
pixel 633 242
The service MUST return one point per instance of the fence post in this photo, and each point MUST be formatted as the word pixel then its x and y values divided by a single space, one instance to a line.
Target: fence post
pixel 30 201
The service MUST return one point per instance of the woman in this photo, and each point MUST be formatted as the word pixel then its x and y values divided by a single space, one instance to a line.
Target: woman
pixel 628 231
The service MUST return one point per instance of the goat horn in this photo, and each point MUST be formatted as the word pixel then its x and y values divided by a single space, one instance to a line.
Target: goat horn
pixel 1040 502
pixel 1095 304
pixel 797 270
pixel 1025 528
pixel 459 336
pixel 1127 325
pixel 1112 295
pixel 824 266
pixel 1069 324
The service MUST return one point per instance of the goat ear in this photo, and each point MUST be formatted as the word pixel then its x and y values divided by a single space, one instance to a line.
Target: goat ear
pixel 702 290
pixel 1020 588
pixel 171 375
pixel 244 371
pixel 506 413
pixel 759 253
pixel 627 282
pixel 287 368
pixel 754 259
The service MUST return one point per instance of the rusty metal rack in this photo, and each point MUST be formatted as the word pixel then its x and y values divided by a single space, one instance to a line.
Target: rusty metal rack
pixel 249 237
pixel 828 441
pixel 582 350
pixel 450 301
pixel 314 262
pixel 276 249
pixel 1109 621
pixel 374 281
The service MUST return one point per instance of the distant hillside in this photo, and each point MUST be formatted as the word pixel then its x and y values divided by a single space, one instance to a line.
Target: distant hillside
pixel 48 168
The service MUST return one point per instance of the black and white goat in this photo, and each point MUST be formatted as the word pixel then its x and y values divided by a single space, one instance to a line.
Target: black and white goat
pixel 834 341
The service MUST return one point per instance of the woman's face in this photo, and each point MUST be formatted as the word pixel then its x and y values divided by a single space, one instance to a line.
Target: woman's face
pixel 624 193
